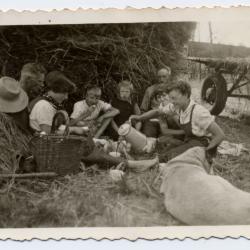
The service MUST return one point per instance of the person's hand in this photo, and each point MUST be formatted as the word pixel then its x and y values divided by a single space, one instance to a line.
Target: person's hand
pixel 150 146
pixel 168 109
pixel 92 108
pixel 89 111
pixel 134 117
pixel 209 156
pixel 78 130
pixel 81 124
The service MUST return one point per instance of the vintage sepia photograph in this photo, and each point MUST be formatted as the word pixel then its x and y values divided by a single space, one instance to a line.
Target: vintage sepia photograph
pixel 141 124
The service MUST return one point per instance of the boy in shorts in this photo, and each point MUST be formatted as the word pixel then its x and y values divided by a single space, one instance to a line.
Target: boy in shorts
pixel 93 112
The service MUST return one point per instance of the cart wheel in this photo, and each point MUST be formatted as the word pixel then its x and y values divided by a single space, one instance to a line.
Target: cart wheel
pixel 214 92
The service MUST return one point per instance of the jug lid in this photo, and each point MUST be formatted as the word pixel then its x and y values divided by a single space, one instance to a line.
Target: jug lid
pixel 124 129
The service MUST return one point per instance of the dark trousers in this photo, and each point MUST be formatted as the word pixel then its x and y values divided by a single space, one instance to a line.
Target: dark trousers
pixel 99 156
pixel 174 147
pixel 151 128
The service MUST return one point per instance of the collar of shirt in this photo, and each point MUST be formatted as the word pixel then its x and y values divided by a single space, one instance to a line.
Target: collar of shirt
pixel 188 109
pixel 185 115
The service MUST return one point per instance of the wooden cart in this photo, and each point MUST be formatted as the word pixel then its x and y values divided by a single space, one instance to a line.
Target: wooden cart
pixel 228 75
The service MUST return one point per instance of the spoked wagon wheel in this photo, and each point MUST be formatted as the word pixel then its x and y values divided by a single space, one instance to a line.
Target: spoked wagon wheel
pixel 214 93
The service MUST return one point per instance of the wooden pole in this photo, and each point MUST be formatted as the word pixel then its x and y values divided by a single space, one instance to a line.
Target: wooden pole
pixel 29 175
pixel 210 32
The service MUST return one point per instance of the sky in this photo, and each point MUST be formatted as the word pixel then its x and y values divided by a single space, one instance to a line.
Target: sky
pixel 233 33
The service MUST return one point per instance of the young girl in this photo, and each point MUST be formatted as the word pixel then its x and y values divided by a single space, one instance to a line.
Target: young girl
pixel 155 127
pixel 126 105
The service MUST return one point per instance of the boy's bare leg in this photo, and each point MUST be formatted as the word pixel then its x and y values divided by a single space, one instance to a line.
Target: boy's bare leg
pixel 99 156
pixel 101 129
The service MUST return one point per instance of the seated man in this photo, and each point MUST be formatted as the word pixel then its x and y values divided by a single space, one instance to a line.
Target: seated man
pixel 127 106
pixel 32 79
pixel 88 112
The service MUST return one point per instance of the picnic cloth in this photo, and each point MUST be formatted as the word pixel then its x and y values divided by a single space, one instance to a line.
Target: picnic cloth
pixel 230 148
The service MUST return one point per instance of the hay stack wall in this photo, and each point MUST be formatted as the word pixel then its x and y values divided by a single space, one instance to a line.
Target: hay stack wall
pixel 100 54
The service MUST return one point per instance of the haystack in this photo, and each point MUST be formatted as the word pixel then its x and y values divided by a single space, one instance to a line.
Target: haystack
pixel 13 144
pixel 101 54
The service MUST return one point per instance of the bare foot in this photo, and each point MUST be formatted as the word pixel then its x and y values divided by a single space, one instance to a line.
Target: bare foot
pixel 143 165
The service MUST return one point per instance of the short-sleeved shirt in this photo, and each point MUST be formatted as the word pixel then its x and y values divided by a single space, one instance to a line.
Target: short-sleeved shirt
pixel 42 114
pixel 201 120
pixel 81 107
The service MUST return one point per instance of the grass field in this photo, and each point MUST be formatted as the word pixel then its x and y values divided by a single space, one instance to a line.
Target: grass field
pixel 91 198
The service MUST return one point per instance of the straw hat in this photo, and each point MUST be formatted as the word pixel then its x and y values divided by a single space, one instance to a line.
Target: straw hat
pixel 12 97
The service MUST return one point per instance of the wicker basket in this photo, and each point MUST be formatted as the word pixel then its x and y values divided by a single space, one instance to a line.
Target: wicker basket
pixel 60 153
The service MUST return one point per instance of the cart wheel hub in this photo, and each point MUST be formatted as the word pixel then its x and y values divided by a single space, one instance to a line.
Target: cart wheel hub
pixel 210 95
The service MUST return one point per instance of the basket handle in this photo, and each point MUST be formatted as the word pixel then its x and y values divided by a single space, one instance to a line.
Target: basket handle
pixel 56 123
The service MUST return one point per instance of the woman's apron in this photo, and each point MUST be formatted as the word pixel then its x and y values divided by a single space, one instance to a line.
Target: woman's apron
pixel 190 138
pixel 190 141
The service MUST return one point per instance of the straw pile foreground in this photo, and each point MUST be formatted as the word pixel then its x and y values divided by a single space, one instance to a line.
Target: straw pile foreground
pixel 13 144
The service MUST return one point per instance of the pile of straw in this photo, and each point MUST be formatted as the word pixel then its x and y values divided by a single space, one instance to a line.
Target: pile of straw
pixel 102 54
pixel 13 144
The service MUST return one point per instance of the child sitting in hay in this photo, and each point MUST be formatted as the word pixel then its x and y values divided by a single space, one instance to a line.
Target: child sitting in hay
pixel 151 128
pixel 14 134
pixel 92 112
pixel 156 126
pixel 127 106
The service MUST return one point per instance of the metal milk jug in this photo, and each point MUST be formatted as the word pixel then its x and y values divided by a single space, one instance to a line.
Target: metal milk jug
pixel 137 140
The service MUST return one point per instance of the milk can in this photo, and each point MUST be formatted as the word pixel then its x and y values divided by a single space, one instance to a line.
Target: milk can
pixel 137 140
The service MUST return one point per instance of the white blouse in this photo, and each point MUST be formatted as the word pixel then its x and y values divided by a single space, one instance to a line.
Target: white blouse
pixel 201 120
